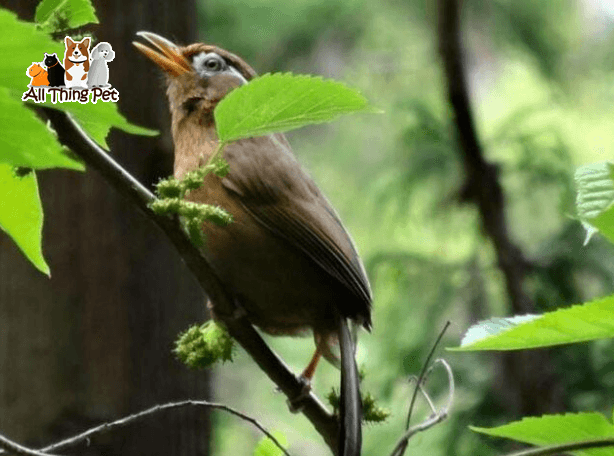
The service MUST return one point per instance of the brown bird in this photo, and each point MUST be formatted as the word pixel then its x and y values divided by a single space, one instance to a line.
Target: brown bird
pixel 286 258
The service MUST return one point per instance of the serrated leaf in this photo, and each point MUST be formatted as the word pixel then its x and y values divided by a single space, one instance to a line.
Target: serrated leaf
pixel 59 15
pixel 24 43
pixel 27 141
pixel 557 429
pixel 595 198
pixel 97 120
pixel 280 102
pixel 579 323
pixel 266 447
pixel 21 214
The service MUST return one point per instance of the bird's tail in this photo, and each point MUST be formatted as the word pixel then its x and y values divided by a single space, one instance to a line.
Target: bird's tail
pixel 350 407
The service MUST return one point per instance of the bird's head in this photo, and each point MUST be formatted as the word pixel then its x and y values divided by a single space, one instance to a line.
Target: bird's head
pixel 198 75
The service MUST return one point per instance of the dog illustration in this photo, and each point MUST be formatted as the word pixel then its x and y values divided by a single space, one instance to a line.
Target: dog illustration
pixel 54 69
pixel 38 75
pixel 98 75
pixel 76 62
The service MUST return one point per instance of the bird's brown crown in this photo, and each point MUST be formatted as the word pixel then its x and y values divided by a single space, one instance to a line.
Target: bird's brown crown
pixel 190 89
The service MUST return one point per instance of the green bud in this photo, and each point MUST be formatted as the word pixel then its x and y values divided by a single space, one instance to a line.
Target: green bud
pixel 202 345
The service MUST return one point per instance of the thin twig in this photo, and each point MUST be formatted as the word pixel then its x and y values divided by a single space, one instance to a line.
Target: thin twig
pixel 423 372
pixel 72 136
pixel 438 417
pixel 425 395
pixel 565 448
pixel 11 447
pixel 122 422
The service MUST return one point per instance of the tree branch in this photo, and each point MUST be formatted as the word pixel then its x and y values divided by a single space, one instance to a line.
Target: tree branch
pixel 519 373
pixel 15 448
pixel 72 136
pixel 482 184
pixel 108 427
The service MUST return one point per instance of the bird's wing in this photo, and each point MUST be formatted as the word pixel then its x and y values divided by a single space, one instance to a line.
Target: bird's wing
pixel 276 191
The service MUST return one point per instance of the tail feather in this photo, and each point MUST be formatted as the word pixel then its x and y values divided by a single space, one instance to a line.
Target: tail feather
pixel 350 408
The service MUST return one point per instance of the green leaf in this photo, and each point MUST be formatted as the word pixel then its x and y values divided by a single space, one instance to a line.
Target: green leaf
pixel 97 119
pixel 266 447
pixel 21 214
pixel 28 44
pixel 28 142
pixel 594 202
pixel 59 15
pixel 22 44
pixel 579 323
pixel 280 102
pixel 557 429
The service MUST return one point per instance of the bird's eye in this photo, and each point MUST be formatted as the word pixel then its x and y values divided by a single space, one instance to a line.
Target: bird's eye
pixel 209 64
pixel 213 64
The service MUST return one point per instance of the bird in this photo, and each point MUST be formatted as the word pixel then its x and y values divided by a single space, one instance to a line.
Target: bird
pixel 286 257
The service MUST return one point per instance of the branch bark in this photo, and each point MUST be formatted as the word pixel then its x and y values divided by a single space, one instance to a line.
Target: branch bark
pixel 526 384
pixel 15 448
pixel 72 136
pixel 482 185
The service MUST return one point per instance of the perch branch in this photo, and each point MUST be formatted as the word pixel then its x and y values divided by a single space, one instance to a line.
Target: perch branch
pixel 72 136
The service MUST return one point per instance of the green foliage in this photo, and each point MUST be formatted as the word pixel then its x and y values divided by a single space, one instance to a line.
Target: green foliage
pixel 282 102
pixel 172 193
pixel 28 142
pixel 557 429
pixel 589 321
pixel 26 44
pixel 98 119
pixel 595 185
pixel 21 214
pixel 277 33
pixel 371 411
pixel 266 447
pixel 54 15
pixel 200 346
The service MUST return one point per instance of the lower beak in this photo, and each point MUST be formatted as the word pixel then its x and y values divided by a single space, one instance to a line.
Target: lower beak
pixel 166 54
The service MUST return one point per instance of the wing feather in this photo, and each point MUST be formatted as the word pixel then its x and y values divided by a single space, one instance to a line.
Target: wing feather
pixel 276 191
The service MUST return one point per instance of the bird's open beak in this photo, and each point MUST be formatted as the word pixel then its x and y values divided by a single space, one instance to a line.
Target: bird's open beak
pixel 166 54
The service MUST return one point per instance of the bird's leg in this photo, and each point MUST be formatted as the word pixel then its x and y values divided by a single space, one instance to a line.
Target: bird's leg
pixel 310 370
pixel 295 404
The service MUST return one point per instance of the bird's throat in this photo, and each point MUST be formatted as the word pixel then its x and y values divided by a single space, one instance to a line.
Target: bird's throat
pixel 195 140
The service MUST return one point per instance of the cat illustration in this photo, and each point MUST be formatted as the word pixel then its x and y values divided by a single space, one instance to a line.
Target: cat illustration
pixel 38 75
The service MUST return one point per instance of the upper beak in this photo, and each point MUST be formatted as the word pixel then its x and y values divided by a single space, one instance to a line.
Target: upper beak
pixel 166 55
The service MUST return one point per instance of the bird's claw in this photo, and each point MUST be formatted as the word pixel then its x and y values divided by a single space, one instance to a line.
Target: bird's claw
pixel 296 404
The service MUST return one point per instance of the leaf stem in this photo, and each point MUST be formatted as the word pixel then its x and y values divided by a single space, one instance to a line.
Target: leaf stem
pixel 217 152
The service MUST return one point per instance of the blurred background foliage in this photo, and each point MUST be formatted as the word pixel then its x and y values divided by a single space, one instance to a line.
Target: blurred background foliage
pixel 540 78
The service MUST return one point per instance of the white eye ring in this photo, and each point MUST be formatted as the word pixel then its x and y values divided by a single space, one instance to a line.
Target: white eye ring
pixel 208 64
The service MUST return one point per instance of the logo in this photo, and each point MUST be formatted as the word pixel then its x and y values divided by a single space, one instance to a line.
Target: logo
pixel 82 76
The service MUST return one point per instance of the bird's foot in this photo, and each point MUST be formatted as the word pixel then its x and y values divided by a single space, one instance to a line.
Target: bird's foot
pixel 296 403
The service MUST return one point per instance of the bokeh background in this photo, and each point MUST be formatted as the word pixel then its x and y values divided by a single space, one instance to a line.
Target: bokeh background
pixel 541 83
